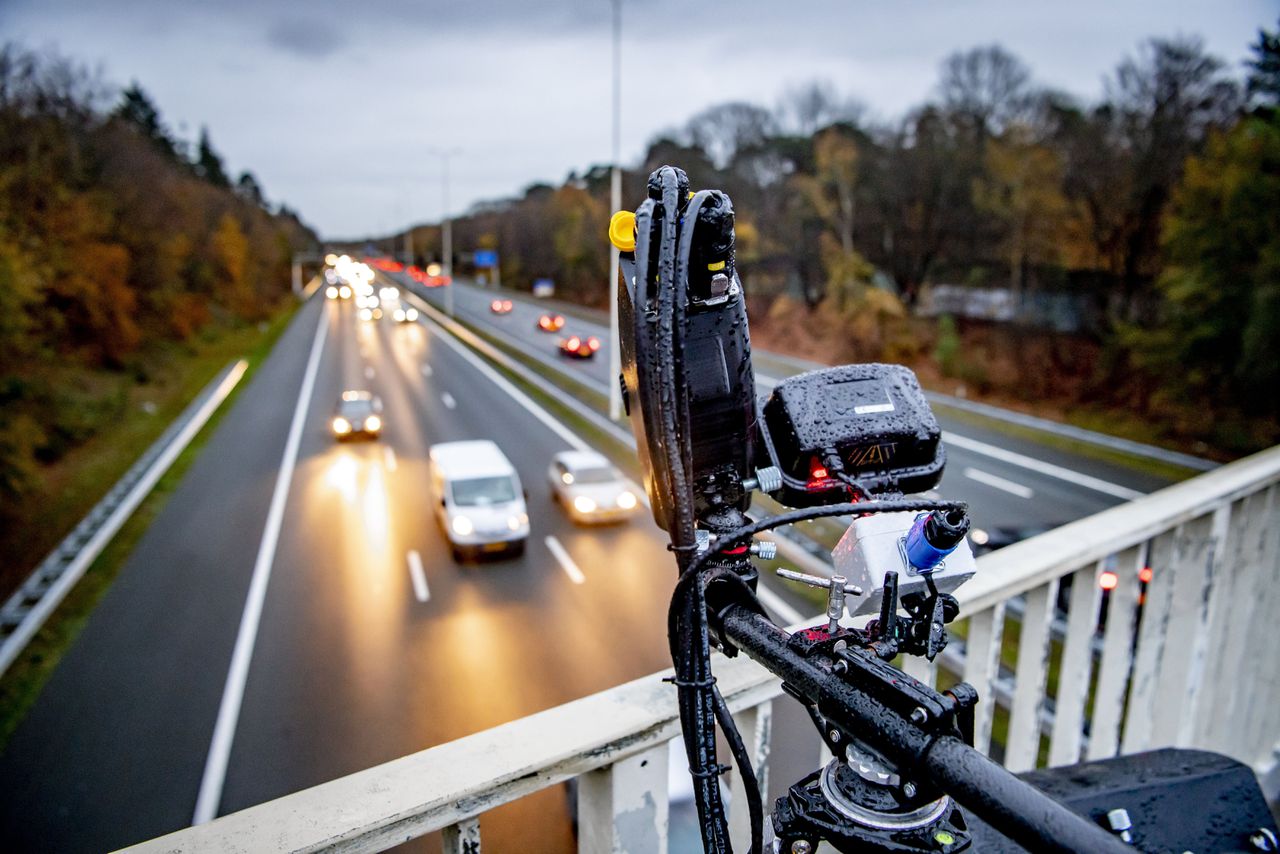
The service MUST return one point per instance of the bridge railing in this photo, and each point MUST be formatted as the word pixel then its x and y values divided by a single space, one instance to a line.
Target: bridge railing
pixel 1181 587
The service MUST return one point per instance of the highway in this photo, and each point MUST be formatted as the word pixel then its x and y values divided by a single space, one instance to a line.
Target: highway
pixel 294 609
pixel 371 642
pixel 1008 481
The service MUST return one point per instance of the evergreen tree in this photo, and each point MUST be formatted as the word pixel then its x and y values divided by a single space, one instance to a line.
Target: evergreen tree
pixel 208 164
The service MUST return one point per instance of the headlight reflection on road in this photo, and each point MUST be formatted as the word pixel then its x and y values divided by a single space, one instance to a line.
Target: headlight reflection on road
pixel 373 506
pixel 341 476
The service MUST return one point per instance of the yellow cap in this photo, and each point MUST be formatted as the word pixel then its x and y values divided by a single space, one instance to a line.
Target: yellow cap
pixel 622 231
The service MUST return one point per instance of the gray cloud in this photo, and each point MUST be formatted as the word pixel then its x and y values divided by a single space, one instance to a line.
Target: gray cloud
pixel 309 38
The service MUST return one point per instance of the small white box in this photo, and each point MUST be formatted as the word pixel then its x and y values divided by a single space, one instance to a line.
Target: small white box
pixel 873 546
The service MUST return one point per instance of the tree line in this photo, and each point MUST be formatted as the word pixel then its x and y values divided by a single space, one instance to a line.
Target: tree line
pixel 115 236
pixel 1155 207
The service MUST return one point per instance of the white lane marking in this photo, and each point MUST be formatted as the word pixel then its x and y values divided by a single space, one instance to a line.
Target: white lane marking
pixel 566 563
pixel 389 458
pixel 1049 469
pixel 419 577
pixel 998 482
pixel 215 768
pixel 449 402
pixel 368 372
pixel 426 370
pixel 573 440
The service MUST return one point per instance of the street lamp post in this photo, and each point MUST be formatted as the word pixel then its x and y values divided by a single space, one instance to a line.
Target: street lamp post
pixel 615 205
pixel 446 226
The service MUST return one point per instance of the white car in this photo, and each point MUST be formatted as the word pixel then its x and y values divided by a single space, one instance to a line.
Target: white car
pixel 589 488
pixel 479 501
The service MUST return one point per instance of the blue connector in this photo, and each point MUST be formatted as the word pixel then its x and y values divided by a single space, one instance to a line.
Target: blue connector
pixel 933 536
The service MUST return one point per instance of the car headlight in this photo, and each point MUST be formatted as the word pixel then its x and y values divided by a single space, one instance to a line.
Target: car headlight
pixel 372 423
pixel 514 522
pixel 341 426
pixel 331 292
pixel 979 537
pixel 462 526
pixel 583 504
pixel 365 314
pixel 411 314
pixel 344 292
pixel 399 314
pixel 626 500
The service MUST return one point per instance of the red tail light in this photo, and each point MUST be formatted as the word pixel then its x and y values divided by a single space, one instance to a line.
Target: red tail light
pixel 1144 575
pixel 573 343
pixel 506 305
pixel 593 343
pixel 1108 580
pixel 495 305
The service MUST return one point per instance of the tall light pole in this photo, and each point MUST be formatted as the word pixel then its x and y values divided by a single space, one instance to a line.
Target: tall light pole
pixel 446 225
pixel 615 205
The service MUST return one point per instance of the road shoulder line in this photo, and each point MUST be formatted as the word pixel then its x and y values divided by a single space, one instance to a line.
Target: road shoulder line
pixel 215 769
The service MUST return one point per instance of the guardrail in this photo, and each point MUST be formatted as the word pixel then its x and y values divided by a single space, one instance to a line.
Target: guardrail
pixel 1188 659
pixel 28 608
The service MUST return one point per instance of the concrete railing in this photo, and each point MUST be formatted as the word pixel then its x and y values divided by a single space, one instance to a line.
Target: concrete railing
pixel 1187 658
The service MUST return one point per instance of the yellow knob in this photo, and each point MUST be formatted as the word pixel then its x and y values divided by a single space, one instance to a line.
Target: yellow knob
pixel 622 231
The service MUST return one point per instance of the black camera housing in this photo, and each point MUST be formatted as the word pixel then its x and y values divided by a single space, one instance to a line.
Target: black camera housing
pixel 685 241
pixel 871 420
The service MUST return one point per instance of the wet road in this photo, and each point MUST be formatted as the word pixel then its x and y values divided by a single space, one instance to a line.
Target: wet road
pixel 354 661
pixel 1008 481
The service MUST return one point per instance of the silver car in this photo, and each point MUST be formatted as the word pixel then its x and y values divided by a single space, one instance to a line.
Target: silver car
pixel 589 488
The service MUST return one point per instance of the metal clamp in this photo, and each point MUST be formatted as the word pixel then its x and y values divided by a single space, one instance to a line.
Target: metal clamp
pixel 836 586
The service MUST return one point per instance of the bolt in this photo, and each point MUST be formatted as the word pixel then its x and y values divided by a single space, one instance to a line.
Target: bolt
pixel 840 645
pixel 765 549
pixel 1120 824
pixel 909 789
pixel 834 735
pixel 840 668
pixel 919 715
pixel 801 847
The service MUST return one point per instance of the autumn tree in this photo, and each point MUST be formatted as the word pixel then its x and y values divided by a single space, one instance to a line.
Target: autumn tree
pixel 1021 186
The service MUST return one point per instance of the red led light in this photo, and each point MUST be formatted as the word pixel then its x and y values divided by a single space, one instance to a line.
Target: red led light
pixel 1144 574
pixel 593 343
pixel 574 343
pixel 1108 580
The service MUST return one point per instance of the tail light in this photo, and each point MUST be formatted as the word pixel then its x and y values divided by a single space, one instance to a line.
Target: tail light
pixel 593 343
pixel 573 343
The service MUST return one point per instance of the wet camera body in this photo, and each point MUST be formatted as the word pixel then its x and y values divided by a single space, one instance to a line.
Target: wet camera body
pixel 868 421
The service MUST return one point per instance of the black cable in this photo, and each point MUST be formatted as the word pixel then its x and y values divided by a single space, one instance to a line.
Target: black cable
pixel 741 535
pixel 692 653
pixel 750 785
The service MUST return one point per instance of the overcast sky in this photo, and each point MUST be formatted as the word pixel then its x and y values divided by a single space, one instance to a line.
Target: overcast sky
pixel 336 106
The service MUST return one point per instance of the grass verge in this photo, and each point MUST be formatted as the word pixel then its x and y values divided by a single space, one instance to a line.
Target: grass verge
pixel 21 684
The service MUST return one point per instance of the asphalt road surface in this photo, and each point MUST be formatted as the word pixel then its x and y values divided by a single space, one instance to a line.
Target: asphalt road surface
pixel 1008 481
pixel 371 641
pixel 363 639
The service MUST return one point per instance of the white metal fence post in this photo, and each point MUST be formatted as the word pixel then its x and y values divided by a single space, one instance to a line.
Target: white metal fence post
pixel 1028 692
pixel 981 666
pixel 1077 665
pixel 462 838
pixel 623 808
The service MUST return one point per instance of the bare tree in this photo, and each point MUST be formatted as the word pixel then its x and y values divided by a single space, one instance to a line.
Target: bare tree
pixel 726 129
pixel 808 107
pixel 988 86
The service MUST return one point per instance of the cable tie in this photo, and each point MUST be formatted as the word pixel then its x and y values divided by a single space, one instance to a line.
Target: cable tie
pixel 713 771
pixel 681 683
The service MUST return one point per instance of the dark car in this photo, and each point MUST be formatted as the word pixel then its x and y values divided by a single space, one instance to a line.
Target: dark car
pixel 358 413
pixel 500 306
